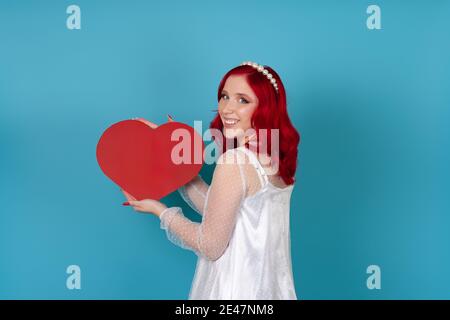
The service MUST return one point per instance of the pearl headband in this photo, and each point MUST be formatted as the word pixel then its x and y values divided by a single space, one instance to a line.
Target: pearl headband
pixel 264 71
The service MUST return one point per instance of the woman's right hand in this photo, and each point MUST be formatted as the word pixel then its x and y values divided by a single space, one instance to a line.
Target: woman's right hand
pixel 151 124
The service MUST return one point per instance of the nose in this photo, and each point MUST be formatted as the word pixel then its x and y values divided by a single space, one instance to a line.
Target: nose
pixel 228 108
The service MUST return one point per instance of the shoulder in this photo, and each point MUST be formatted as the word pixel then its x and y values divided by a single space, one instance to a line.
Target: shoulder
pixel 229 173
pixel 232 157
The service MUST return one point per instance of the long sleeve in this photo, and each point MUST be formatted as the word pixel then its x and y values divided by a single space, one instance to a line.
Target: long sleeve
pixel 194 193
pixel 210 238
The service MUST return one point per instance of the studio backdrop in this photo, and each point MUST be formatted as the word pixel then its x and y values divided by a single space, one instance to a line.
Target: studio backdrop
pixel 367 88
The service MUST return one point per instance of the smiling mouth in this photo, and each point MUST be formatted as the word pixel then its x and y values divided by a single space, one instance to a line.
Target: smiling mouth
pixel 230 122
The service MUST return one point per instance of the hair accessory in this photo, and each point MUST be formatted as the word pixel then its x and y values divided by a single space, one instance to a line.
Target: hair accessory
pixel 264 71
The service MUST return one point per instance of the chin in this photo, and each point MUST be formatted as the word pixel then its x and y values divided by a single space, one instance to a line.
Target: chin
pixel 231 133
pixel 230 136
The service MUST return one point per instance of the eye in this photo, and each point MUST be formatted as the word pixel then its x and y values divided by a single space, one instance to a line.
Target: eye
pixel 223 95
pixel 244 100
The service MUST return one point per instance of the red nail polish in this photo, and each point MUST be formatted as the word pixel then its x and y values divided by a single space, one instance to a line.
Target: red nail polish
pixel 126 203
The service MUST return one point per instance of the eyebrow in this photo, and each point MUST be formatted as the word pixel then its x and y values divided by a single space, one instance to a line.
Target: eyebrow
pixel 238 93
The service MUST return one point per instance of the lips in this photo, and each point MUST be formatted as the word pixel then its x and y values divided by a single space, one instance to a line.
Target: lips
pixel 229 122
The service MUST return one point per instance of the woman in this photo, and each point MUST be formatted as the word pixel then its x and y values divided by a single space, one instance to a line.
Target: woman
pixel 243 241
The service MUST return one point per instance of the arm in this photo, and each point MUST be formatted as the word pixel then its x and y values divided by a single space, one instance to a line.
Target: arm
pixel 210 238
pixel 194 193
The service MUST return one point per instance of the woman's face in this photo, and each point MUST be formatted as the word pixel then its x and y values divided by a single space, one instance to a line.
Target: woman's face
pixel 236 106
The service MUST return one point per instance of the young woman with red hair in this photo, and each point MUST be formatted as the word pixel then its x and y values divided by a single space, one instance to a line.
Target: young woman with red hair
pixel 243 241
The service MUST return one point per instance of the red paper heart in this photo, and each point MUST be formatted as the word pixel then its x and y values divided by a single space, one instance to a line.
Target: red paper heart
pixel 138 158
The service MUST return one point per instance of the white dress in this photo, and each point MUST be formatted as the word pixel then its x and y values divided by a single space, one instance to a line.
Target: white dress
pixel 243 241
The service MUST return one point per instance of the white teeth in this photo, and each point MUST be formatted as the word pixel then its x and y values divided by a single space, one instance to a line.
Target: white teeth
pixel 231 122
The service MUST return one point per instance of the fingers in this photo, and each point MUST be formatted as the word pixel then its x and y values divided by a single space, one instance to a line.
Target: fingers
pixel 131 201
pixel 136 205
pixel 128 196
pixel 149 123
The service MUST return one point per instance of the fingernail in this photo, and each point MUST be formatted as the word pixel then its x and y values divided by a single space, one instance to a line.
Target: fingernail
pixel 126 203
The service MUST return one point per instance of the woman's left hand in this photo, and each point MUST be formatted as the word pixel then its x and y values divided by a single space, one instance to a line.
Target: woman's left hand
pixel 148 205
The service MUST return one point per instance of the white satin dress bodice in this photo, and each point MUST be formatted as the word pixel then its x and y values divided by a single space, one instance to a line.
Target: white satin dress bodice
pixel 257 262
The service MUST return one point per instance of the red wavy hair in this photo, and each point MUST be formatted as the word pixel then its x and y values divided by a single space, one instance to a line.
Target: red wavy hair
pixel 271 113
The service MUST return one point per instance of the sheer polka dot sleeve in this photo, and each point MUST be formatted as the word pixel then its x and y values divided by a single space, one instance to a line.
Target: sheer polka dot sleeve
pixel 194 193
pixel 223 199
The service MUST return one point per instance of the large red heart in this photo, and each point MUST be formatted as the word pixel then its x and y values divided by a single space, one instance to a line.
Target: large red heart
pixel 138 158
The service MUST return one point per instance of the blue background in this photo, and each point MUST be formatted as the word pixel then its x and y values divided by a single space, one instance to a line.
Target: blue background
pixel 372 107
